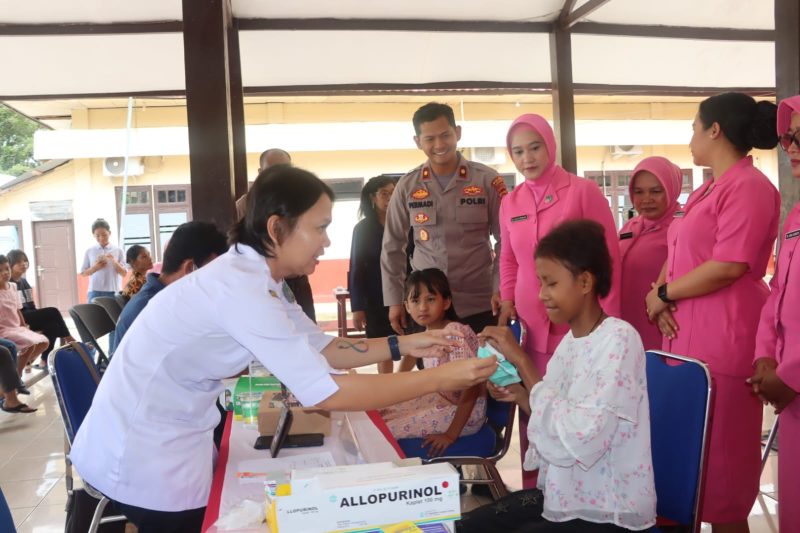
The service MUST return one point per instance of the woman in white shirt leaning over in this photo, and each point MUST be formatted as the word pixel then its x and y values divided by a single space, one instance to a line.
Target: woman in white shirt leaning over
pixel 589 428
pixel 146 442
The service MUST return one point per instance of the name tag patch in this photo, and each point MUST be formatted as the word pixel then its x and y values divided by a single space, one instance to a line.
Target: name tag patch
pixel 792 234
pixel 417 205
pixel 626 235
pixel 679 214
pixel 519 218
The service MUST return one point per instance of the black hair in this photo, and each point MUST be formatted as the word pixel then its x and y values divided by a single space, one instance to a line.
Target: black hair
pixel 4 260
pixel 16 256
pixel 436 282
pixel 262 159
pixel 366 208
pixel 280 190
pixel 430 112
pixel 747 124
pixel 580 245
pixel 100 223
pixel 194 240
pixel 133 253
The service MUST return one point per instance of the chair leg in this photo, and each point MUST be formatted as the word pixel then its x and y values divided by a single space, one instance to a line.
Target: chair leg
pixel 98 514
pixel 497 486
pixel 770 439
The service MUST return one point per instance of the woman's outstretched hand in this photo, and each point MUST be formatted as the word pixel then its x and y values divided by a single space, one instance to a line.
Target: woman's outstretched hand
pixel 434 343
pixel 464 373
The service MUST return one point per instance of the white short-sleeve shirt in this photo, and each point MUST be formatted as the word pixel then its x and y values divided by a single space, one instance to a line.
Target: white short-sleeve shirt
pixel 147 440
pixel 106 279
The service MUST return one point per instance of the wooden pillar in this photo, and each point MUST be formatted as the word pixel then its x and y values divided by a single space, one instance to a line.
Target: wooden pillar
pixel 787 83
pixel 209 106
pixel 563 97
pixel 237 112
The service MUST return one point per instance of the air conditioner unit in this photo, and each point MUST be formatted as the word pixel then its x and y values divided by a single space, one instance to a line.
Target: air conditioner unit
pixel 115 166
pixel 489 155
pixel 621 150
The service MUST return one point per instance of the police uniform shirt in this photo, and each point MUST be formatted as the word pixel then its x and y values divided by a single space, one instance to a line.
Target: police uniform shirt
pixel 147 439
pixel 451 230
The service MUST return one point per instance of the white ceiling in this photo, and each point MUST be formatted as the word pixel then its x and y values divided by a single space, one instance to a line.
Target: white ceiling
pixel 56 66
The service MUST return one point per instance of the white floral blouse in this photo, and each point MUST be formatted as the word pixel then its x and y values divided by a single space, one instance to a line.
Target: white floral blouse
pixel 590 430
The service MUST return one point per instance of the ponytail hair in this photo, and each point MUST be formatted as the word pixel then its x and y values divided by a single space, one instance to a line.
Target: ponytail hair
pixel 747 124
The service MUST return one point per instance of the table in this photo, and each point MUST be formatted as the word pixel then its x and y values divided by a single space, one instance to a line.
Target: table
pixel 355 438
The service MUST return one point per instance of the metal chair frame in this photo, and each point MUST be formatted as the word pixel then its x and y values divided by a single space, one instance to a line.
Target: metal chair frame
pixel 86 334
pixel 69 436
pixel 695 526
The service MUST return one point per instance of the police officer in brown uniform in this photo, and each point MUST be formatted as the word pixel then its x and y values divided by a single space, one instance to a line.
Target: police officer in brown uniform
pixel 452 205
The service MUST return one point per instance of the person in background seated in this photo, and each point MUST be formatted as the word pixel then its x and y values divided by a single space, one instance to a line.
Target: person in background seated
pixel 193 245
pixel 441 417
pixel 12 324
pixel 654 189
pixel 47 320
pixel 589 428
pixel 103 263
pixel 10 384
pixel 140 262
pixel 364 279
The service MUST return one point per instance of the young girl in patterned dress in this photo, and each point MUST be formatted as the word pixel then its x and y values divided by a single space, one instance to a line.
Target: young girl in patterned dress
pixel 12 324
pixel 589 428
pixel 440 418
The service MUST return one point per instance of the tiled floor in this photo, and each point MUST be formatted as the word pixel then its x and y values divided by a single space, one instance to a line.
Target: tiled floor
pixel 32 469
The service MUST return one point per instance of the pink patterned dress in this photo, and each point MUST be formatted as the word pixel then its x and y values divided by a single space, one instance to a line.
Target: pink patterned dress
pixel 433 413
pixel 10 326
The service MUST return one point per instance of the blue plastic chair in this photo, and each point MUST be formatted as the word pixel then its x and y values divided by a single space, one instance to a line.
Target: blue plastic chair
pixel 6 520
pixel 483 448
pixel 75 380
pixel 680 391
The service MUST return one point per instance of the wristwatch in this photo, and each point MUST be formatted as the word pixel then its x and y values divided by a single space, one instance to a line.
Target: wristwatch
pixel 662 294
pixel 394 347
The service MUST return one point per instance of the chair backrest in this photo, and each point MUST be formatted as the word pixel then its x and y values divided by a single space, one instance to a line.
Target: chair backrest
pixel 75 379
pixel 95 319
pixel 6 520
pixel 681 394
pixel 121 300
pixel 110 304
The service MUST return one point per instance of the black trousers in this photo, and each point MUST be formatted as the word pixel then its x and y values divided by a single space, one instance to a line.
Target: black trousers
pixel 302 293
pixel 9 379
pixel 149 521
pixel 50 322
pixel 521 512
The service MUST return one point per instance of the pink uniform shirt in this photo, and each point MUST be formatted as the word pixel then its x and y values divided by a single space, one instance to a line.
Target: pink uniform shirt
pixel 643 250
pixel 734 219
pixel 523 223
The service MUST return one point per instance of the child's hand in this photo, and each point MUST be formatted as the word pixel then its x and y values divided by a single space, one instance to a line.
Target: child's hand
pixel 503 339
pixel 501 394
pixel 438 444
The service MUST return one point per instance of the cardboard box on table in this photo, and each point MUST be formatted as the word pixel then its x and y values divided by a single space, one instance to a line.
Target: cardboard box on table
pixel 261 384
pixel 304 420
pixel 350 499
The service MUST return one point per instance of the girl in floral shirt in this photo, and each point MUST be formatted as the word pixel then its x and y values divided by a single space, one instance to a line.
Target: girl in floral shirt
pixel 589 428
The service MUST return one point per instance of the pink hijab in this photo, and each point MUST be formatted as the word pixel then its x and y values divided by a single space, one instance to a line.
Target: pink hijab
pixel 539 124
pixel 670 177
pixel 786 108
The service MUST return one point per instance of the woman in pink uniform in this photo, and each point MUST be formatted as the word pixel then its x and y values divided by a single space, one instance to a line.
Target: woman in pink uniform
pixel 654 189
pixel 549 196
pixel 710 293
pixel 777 376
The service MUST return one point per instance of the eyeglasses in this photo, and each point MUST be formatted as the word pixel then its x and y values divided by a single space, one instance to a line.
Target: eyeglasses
pixel 788 139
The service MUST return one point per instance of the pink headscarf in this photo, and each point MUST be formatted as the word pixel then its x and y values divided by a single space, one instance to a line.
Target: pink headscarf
pixel 670 177
pixel 786 108
pixel 539 124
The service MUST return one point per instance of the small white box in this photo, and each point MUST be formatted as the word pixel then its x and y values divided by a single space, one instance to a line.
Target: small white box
pixel 350 499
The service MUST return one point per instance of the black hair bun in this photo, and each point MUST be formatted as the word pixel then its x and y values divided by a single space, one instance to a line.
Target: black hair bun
pixel 762 133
